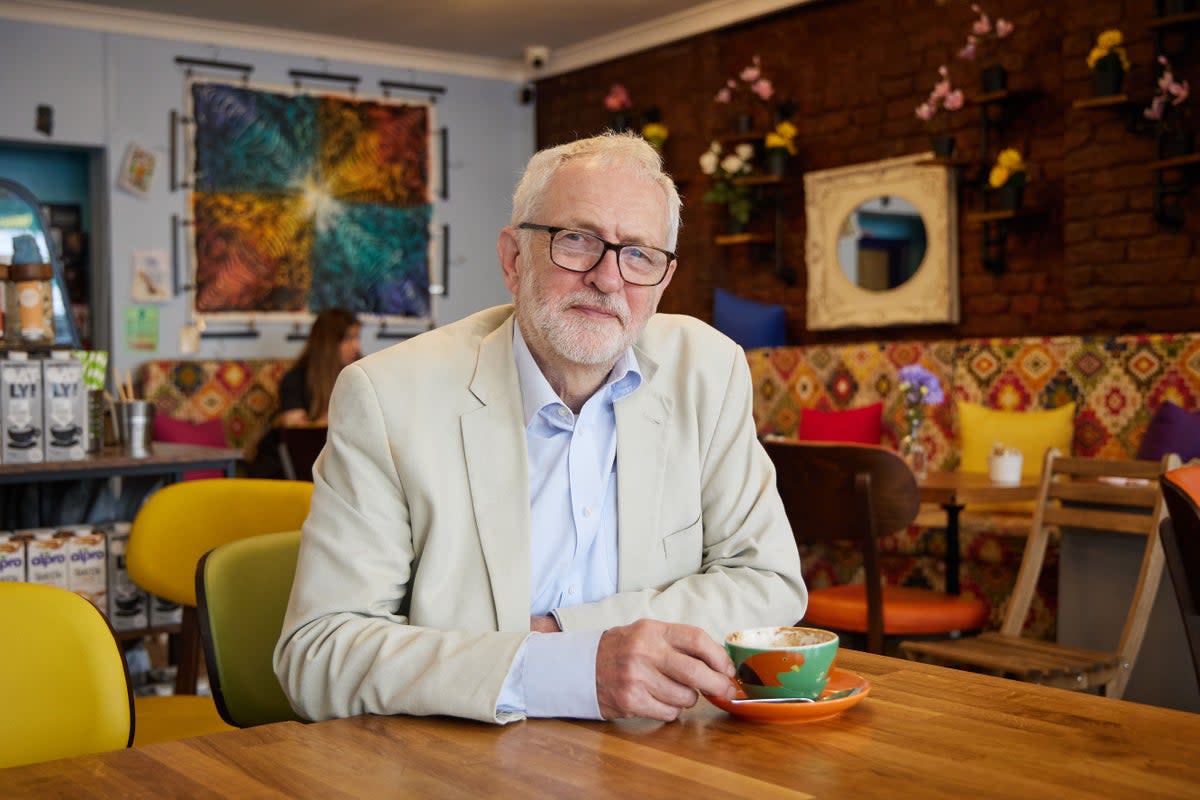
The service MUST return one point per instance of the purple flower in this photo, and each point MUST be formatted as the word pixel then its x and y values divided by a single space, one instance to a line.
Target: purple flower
pixel 920 386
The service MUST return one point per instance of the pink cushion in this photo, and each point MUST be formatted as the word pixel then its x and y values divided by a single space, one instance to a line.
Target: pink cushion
pixel 857 425
pixel 177 431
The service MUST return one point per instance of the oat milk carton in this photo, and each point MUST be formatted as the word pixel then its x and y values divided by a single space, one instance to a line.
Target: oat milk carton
pixel 127 603
pixel 46 558
pixel 164 612
pixel 12 558
pixel 87 566
pixel 64 401
pixel 21 409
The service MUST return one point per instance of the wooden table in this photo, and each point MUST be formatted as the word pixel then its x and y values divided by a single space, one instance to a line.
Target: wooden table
pixel 924 731
pixel 954 491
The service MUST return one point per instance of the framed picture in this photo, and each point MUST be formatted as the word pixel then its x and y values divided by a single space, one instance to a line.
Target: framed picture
pixel 137 170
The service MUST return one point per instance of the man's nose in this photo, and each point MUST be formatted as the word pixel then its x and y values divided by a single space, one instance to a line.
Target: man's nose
pixel 606 276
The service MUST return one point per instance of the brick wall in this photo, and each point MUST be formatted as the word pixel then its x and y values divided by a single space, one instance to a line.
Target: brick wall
pixel 1093 259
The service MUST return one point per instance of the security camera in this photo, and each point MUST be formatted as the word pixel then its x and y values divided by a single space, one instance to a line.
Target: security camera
pixel 536 56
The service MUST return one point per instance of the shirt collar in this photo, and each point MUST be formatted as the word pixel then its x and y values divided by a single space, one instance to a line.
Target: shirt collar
pixel 536 393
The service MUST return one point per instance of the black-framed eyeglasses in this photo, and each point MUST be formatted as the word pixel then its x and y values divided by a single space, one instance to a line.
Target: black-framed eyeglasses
pixel 580 251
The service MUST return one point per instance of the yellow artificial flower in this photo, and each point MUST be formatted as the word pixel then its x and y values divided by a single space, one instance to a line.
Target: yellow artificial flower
pixel 782 138
pixel 655 132
pixel 786 129
pixel 1011 160
pixel 998 176
pixel 1108 43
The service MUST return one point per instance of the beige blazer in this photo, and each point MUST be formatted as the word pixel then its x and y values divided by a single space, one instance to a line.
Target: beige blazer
pixel 412 591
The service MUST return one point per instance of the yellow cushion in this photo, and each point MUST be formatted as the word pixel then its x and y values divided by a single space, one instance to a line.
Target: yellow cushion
pixel 1031 432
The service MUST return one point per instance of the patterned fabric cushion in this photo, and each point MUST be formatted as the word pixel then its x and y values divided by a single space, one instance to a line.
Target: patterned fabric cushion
pixel 839 377
pixel 242 394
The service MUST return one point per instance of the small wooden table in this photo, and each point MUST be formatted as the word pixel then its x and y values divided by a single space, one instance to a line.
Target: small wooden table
pixel 924 731
pixel 954 491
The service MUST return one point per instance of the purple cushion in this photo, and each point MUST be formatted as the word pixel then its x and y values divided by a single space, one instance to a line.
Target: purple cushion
pixel 1171 430
pixel 210 433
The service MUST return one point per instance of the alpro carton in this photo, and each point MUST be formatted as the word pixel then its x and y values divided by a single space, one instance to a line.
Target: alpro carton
pixel 12 558
pixel 127 602
pixel 21 409
pixel 87 566
pixel 46 558
pixel 64 402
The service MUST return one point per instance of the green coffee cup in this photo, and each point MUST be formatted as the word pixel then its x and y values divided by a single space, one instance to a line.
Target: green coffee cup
pixel 782 662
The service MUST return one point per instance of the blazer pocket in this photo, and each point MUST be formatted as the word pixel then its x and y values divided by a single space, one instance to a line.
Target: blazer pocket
pixel 683 550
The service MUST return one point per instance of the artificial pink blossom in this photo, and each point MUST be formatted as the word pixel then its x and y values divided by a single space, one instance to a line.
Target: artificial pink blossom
pixel 969 50
pixel 954 100
pixel 982 26
pixel 941 89
pixel 724 96
pixel 925 111
pixel 753 72
pixel 1003 28
pixel 618 98
pixel 763 88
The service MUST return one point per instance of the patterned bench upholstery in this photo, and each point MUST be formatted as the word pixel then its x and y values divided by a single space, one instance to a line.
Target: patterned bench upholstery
pixel 242 393
pixel 1116 383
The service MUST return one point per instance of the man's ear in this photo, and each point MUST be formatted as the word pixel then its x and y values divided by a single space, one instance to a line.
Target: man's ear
pixel 508 248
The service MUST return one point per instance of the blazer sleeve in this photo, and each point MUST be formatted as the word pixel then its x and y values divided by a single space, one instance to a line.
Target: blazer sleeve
pixel 749 573
pixel 347 646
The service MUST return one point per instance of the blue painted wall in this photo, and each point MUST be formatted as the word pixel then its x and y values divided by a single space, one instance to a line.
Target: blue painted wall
pixel 110 90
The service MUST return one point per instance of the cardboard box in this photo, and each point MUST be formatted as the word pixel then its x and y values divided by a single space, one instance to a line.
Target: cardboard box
pixel 87 566
pixel 21 410
pixel 128 604
pixel 64 408
pixel 46 558
pixel 12 558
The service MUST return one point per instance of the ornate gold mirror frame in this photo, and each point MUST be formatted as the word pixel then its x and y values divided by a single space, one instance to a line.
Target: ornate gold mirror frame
pixel 930 296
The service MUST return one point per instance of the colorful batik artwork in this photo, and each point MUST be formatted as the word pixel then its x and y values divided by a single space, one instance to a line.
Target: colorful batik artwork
pixel 302 202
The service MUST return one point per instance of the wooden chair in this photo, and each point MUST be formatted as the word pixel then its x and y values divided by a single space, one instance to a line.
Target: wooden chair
pixel 858 493
pixel 1180 534
pixel 1089 495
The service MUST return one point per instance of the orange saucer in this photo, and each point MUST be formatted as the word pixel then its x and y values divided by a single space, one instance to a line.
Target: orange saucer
pixel 839 680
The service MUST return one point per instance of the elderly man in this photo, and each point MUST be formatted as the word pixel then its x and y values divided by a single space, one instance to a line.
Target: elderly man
pixel 554 508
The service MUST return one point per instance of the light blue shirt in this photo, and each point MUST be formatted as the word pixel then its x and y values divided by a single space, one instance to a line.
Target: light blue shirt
pixel 573 534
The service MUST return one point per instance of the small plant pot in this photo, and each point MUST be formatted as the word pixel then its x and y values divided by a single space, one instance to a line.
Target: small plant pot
pixel 777 160
pixel 619 121
pixel 734 226
pixel 743 123
pixel 943 146
pixel 993 78
pixel 1172 7
pixel 1176 143
pixel 1009 196
pixel 1108 82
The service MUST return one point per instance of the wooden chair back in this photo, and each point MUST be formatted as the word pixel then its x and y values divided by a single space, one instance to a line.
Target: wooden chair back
pixel 844 492
pixel 1088 495
pixel 1180 535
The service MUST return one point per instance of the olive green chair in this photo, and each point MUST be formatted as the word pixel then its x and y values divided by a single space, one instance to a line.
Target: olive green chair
pixel 242 591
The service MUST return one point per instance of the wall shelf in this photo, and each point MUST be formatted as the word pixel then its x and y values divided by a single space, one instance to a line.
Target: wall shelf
pixel 1175 20
pixel 1177 162
pixel 731 239
pixel 981 217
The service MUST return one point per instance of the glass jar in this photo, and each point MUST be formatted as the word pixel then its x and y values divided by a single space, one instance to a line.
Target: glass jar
pixel 3 305
pixel 29 320
pixel 912 448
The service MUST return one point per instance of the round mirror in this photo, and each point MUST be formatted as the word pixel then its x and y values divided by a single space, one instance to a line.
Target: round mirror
pixel 882 243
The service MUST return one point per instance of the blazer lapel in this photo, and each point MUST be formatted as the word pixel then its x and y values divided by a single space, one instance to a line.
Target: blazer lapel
pixel 494 446
pixel 641 465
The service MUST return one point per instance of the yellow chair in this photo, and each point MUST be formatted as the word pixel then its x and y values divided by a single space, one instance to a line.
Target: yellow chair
pixel 242 591
pixel 175 527
pixel 66 692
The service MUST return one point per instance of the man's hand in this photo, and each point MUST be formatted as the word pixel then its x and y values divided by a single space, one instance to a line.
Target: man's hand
pixel 654 669
pixel 546 624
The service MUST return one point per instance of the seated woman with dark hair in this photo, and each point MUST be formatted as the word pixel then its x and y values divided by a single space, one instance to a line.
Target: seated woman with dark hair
pixel 333 342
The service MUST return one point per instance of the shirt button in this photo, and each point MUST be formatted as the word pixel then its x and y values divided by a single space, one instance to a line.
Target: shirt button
pixel 587 511
pixel 564 413
pixel 572 590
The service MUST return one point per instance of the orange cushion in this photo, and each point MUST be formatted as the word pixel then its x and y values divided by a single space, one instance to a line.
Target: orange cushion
pixel 906 610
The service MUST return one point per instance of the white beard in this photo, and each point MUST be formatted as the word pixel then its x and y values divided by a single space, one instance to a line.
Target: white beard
pixel 571 336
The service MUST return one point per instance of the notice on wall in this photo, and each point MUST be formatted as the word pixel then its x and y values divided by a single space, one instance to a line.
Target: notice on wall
pixel 151 279
pixel 141 328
